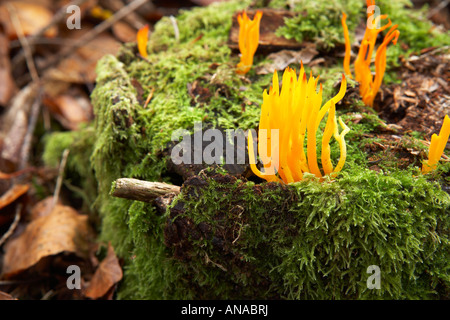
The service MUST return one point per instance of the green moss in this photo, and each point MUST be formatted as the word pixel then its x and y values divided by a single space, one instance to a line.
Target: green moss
pixel 319 21
pixel 130 138
pixel 78 172
pixel 316 240
pixel 416 31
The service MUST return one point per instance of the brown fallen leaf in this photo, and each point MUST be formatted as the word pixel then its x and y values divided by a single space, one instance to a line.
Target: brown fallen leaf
pixel 42 208
pixel 27 14
pixel 106 276
pixel 70 108
pixel 13 194
pixel 80 66
pixel 63 230
pixel 12 175
pixel 7 84
pixel 13 141
pixel 6 296
pixel 283 58
pixel 14 127
pixel 124 32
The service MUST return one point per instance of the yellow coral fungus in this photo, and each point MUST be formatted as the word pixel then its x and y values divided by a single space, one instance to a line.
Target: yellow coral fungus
pixel 289 117
pixel 369 85
pixel 248 40
pixel 142 40
pixel 437 146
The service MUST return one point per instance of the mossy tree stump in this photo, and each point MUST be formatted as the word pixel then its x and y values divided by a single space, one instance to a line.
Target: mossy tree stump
pixel 225 236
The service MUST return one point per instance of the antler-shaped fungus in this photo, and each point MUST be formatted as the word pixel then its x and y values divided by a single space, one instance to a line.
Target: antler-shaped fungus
pixel 369 85
pixel 142 40
pixel 248 40
pixel 437 147
pixel 290 115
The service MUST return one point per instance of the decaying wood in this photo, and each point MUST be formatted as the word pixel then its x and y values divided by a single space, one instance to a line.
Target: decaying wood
pixel 140 190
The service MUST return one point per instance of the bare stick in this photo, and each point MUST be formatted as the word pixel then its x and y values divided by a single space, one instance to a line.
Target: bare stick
pixel 150 96
pixel 175 27
pixel 23 41
pixel 438 8
pixel 32 120
pixel 132 19
pixel 13 225
pixel 141 190
pixel 62 166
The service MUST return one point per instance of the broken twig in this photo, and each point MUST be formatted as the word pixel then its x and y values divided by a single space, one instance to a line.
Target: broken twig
pixel 13 225
pixel 62 166
pixel 134 189
pixel 32 121
pixel 24 42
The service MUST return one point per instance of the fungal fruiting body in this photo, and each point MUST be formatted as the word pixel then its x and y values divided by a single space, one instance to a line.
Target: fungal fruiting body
pixel 369 85
pixel 248 40
pixel 142 39
pixel 437 146
pixel 289 118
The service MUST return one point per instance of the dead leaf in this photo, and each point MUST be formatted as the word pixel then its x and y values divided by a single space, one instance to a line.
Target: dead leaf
pixel 12 144
pixel 124 32
pixel 7 84
pixel 106 276
pixel 14 127
pixel 80 66
pixel 12 175
pixel 283 58
pixel 63 230
pixel 42 208
pixel 6 296
pixel 70 108
pixel 32 17
pixel 421 100
pixel 13 194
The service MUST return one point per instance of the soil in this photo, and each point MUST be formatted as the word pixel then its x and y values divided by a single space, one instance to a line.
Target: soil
pixel 422 98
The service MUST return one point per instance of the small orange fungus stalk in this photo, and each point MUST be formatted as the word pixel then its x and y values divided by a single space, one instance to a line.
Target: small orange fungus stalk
pixel 437 147
pixel 248 40
pixel 142 39
pixel 369 85
pixel 295 113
